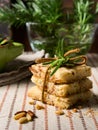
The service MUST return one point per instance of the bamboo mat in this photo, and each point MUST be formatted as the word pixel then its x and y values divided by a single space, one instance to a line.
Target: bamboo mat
pixel 13 98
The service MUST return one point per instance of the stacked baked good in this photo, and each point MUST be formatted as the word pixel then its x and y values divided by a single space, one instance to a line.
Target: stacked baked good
pixel 65 88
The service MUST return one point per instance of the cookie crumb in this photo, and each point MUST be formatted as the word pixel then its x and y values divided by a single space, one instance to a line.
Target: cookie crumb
pixel 59 112
pixel 39 107
pixel 32 102
pixel 75 110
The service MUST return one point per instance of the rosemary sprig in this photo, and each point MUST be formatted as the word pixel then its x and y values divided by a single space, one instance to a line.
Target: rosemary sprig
pixel 18 15
pixel 57 64
pixel 65 60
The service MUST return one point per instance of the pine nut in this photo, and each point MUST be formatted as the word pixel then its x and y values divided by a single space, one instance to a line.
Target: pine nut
pixel 29 118
pixel 23 120
pixel 19 114
pixel 31 113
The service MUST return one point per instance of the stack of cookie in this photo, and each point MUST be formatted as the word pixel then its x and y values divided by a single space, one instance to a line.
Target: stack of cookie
pixel 66 87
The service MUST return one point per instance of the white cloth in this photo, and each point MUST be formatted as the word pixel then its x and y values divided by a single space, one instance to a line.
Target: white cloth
pixel 14 98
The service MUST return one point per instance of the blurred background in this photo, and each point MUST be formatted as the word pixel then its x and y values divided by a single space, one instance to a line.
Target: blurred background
pixel 16 33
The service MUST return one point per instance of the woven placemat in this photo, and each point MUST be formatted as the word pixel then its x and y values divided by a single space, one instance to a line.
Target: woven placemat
pixel 18 69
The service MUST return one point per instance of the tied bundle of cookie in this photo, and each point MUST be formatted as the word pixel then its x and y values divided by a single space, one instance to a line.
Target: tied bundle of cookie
pixel 61 81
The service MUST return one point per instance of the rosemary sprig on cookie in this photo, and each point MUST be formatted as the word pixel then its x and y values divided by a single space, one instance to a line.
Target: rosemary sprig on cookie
pixel 66 60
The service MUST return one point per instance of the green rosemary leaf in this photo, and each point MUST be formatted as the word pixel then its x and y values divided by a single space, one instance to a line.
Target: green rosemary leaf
pixel 54 63
pixel 66 60
pixel 56 68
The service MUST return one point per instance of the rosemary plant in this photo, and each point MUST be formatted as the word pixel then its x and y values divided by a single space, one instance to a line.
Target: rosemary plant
pixel 53 23
pixel 79 33
pixel 48 13
pixel 18 15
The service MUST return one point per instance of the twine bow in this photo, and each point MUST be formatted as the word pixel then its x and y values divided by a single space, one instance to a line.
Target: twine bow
pixel 65 60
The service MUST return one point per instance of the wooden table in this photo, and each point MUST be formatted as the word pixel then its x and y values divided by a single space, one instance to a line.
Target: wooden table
pixel 13 98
